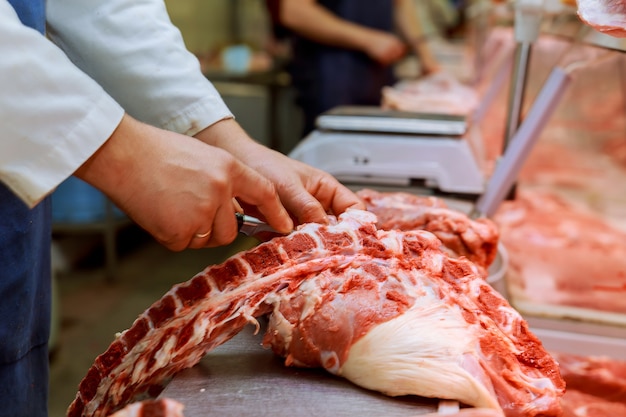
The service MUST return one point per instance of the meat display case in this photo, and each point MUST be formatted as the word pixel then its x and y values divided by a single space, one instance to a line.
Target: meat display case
pixel 556 20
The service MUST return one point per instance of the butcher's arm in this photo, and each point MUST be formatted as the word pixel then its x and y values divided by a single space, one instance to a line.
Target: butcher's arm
pixel 134 51
pixel 407 20
pixel 175 186
pixel 144 64
pixel 313 21
pixel 57 120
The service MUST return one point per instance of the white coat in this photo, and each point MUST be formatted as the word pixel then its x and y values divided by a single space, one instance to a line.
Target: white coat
pixel 63 95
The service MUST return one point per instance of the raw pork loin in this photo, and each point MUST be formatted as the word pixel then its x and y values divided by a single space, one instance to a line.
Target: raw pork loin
pixel 596 385
pixel 437 93
pixel 461 236
pixel 387 310
pixel 563 258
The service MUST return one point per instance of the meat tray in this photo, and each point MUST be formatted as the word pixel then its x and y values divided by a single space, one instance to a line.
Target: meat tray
pixel 241 378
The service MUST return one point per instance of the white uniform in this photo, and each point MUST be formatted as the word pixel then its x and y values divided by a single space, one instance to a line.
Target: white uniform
pixel 62 97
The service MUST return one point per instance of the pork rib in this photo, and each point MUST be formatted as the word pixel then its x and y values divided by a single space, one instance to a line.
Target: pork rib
pixel 386 309
pixel 461 236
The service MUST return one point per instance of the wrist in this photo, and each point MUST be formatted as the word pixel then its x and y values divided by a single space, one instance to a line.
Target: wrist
pixel 107 169
pixel 228 135
pixel 420 39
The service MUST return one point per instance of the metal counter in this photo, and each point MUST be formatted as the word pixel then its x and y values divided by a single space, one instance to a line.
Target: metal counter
pixel 241 378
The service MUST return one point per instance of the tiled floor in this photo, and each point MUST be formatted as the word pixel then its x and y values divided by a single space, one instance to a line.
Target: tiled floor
pixel 92 309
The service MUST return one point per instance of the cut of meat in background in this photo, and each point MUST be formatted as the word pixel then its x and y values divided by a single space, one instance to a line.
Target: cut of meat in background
pixel 596 386
pixel 566 232
pixel 616 149
pixel 438 93
pixel 607 16
pixel 561 255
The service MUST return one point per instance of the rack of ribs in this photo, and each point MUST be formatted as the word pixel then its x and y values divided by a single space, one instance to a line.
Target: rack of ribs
pixel 388 310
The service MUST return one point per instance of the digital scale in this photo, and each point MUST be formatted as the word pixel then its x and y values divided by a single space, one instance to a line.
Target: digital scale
pixel 370 146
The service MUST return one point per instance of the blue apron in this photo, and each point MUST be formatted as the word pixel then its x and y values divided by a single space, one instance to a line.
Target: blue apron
pixel 24 286
pixel 325 76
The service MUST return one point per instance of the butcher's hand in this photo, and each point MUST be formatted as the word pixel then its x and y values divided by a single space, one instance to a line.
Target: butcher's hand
pixel 177 188
pixel 309 194
pixel 384 48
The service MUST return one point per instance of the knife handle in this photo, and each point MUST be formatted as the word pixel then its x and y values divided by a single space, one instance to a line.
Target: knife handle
pixel 240 220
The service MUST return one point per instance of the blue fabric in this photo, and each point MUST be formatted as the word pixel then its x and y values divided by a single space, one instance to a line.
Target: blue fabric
pixel 326 77
pixel 32 13
pixel 25 292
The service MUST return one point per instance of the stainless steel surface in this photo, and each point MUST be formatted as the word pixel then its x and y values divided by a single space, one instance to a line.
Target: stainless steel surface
pixel 447 164
pixel 242 379
pixel 376 119
pixel 517 89
pixel 509 166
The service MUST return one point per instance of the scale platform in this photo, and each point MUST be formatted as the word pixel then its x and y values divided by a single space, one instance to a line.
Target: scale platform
pixel 376 119
pixel 371 146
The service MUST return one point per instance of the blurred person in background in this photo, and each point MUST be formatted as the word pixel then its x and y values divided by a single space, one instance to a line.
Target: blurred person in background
pixel 343 51
pixel 112 96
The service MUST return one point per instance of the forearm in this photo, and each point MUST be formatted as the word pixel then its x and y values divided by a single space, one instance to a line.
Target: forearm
pixel 315 22
pixel 108 167
pixel 407 20
pixel 228 135
pixel 406 17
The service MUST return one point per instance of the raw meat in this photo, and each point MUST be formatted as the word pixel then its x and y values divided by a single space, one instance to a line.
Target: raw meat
pixel 599 376
pixel 579 404
pixel 607 16
pixel 437 93
pixel 616 148
pixel 387 310
pixel 152 408
pixel 596 385
pixel 561 255
pixel 475 239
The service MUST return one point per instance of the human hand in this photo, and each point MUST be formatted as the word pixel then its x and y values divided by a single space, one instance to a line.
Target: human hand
pixel 428 62
pixel 385 48
pixel 307 193
pixel 177 187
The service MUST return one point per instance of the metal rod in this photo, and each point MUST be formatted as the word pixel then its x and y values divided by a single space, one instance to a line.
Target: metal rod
pixel 518 87
pixel 510 164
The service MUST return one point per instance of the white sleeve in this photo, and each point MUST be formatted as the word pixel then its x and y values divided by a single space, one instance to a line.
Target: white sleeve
pixel 53 116
pixel 138 56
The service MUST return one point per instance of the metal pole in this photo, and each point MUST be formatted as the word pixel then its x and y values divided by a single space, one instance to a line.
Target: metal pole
pixel 517 90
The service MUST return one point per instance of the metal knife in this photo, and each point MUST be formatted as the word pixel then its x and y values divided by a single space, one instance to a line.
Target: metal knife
pixel 251 226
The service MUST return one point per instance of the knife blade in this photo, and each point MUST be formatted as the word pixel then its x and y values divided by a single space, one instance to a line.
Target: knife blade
pixel 251 226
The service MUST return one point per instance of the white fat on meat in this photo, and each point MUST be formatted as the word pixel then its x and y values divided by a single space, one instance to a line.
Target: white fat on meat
pixel 429 349
pixel 607 16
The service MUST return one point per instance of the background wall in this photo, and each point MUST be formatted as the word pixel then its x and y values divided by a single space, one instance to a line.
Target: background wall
pixel 207 25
